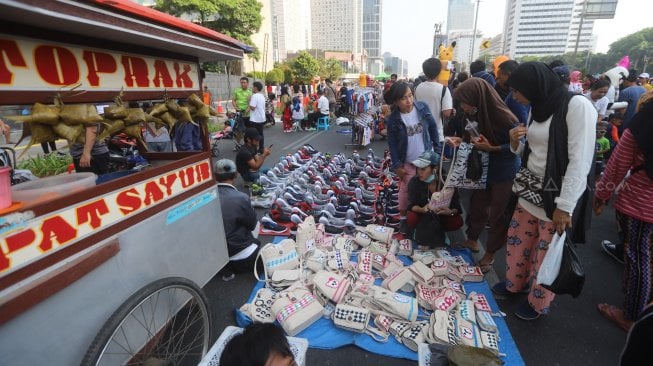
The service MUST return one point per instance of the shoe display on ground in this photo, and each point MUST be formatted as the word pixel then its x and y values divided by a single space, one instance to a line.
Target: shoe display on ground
pixel 269 226
pixel 262 201
pixel 616 251
pixel 526 312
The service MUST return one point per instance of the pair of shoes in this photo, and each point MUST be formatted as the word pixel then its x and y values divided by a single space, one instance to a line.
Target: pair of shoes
pixel 616 251
pixel 270 226
pixel 501 289
pixel 228 276
pixel 615 315
pixel 526 312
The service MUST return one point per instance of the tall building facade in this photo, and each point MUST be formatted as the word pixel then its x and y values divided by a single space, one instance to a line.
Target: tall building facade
pixel 460 16
pixel 291 27
pixel 538 28
pixel 372 26
pixel 337 25
pixel 263 41
pixel 460 28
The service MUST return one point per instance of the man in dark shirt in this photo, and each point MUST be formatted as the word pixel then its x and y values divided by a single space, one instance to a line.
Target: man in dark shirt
pixel 239 219
pixel 248 161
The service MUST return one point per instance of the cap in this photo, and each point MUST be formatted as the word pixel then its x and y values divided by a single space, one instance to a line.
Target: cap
pixel 427 158
pixel 224 166
pixel 644 75
pixel 252 133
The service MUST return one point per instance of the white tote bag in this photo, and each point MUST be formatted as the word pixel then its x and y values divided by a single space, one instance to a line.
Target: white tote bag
pixel 552 260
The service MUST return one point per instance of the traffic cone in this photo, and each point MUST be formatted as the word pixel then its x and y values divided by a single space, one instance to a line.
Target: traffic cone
pixel 220 110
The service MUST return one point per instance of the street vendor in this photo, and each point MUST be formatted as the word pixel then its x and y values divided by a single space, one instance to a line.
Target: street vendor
pixel 247 160
pixel 92 155
pixel 239 220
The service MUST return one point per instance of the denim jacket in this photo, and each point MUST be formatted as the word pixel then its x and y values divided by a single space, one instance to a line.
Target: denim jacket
pixel 398 136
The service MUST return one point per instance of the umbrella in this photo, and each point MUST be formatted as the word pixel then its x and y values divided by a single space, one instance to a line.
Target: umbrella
pixel 382 76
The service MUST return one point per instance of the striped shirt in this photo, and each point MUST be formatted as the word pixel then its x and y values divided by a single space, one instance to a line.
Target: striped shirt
pixel 635 192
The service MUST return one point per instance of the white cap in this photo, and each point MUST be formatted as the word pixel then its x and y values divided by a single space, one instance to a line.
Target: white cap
pixel 644 75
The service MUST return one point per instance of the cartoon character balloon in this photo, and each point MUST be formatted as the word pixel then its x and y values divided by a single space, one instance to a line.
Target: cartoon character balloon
pixel 446 56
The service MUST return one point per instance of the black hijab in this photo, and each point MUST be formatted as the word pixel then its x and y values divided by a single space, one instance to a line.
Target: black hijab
pixel 541 86
pixel 642 129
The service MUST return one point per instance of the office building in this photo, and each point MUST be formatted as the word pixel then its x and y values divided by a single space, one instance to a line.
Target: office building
pixel 337 25
pixel 539 28
pixel 291 27
pixel 372 25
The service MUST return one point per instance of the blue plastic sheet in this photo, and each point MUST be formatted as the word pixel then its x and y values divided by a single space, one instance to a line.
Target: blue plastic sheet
pixel 324 335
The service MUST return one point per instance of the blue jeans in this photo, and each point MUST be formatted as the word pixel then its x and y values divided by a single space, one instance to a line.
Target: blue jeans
pixel 251 176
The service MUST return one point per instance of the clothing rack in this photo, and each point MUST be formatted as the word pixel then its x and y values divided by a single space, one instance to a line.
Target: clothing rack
pixel 362 129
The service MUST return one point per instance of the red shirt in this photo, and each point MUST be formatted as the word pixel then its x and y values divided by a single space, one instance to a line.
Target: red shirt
pixel 635 193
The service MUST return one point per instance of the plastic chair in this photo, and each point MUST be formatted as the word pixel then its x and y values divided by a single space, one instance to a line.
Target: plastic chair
pixel 323 123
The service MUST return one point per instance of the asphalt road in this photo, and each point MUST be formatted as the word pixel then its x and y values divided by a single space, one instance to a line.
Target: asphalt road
pixel 574 333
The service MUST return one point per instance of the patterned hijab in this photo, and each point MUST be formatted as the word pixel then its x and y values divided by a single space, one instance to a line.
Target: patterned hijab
pixel 493 114
pixel 541 86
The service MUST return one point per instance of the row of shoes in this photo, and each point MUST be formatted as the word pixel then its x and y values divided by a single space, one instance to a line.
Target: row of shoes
pixel 339 192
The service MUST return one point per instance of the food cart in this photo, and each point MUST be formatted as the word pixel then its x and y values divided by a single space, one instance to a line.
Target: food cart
pixel 112 273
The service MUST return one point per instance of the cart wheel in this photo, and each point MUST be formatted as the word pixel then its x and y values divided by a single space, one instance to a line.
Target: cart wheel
pixel 166 322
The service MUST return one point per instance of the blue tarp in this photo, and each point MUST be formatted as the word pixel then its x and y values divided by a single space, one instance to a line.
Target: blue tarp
pixel 324 335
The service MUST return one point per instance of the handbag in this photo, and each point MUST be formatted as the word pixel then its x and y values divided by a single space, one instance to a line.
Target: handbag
pixel 332 285
pixel 379 233
pixel 571 277
pixel 442 328
pixel 451 222
pixel 421 272
pixel 529 186
pixel 277 256
pixel 364 262
pixel 414 335
pixel 399 305
pixel 338 260
pixel 305 237
pixel 296 310
pixel 474 165
pixel 283 278
pixel 458 171
pixel 397 279
pixel 441 198
pixel 357 319
pixel 550 266
pixel 260 309
pixel 315 259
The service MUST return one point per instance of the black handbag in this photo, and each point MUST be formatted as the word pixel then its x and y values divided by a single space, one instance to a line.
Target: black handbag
pixel 571 277
pixel 429 231
pixel 474 165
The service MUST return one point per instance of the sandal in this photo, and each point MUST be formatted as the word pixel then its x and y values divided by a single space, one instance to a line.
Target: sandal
pixel 615 315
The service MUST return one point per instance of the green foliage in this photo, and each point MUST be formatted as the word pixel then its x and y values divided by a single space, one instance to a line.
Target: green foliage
pixel 305 67
pixel 330 68
pixel 275 76
pixel 257 75
pixel 236 18
pixel 637 46
pixel 46 165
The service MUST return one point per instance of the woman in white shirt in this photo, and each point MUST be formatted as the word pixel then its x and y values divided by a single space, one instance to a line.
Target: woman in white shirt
pixel 558 155
pixel 596 95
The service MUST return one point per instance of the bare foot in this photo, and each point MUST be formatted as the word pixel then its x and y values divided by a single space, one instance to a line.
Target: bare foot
pixel 486 263
pixel 615 315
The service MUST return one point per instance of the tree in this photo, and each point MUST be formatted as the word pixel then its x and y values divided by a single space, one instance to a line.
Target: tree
pixel 236 18
pixel 330 69
pixel 637 46
pixel 275 76
pixel 305 67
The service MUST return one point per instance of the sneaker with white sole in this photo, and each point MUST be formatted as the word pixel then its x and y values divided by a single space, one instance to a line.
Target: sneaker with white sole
pixel 616 251
pixel 262 201
pixel 269 226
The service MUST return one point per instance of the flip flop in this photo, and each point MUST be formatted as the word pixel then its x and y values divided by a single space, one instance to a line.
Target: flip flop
pixel 615 315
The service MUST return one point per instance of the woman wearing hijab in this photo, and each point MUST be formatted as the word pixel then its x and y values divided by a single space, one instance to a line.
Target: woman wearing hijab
pixel 482 103
pixel 297 115
pixel 575 84
pixel 634 153
pixel 558 154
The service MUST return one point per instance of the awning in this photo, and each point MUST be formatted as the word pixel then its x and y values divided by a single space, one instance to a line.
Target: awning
pixel 121 21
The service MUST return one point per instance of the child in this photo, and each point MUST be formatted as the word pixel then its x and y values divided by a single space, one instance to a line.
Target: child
pixel 602 148
pixel 615 119
pixel 287 117
pixel 297 114
pixel 269 108
pixel 385 112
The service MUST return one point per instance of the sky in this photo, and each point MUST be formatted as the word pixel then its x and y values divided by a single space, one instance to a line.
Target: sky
pixel 408 28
